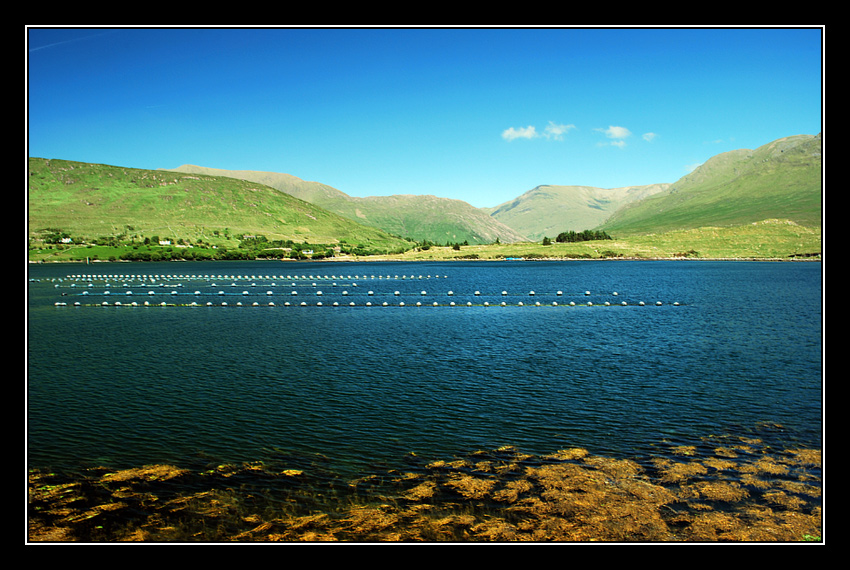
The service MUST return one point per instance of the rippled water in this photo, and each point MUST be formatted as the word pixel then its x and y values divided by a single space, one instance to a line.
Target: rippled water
pixel 364 386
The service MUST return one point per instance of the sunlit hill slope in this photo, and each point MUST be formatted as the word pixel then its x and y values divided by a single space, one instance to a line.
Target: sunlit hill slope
pixel 779 180
pixel 93 200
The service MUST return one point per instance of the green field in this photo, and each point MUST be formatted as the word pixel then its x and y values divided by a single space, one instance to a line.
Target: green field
pixel 771 239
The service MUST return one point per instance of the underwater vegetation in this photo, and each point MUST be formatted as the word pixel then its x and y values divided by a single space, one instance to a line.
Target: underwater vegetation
pixel 723 488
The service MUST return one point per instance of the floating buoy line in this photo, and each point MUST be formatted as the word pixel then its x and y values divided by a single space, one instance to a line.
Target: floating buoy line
pixel 156 285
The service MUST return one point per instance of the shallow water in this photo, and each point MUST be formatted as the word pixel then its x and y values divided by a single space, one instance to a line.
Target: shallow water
pixel 364 386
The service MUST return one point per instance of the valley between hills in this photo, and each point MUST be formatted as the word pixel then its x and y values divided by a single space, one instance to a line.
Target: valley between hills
pixel 764 203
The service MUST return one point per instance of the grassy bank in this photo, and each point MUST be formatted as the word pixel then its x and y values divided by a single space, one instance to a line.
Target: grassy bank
pixel 770 239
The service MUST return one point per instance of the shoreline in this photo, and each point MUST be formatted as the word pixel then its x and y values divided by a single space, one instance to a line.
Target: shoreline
pixel 378 258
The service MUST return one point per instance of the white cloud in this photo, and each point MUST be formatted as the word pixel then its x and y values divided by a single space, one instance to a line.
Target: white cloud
pixel 616 132
pixel 553 131
pixel 649 137
pixel 528 132
pixel 557 132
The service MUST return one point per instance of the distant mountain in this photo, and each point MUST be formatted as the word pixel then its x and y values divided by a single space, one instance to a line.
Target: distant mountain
pixel 421 217
pixel 94 200
pixel 548 210
pixel 779 180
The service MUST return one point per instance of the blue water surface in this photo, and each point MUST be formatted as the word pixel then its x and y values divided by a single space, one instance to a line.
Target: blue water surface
pixel 732 346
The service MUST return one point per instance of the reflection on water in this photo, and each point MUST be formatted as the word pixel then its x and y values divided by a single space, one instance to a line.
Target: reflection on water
pixel 297 403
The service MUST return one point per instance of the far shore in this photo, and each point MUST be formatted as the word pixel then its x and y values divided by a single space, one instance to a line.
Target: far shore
pixel 403 259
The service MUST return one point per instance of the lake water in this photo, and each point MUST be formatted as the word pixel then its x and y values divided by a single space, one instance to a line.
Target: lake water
pixel 733 346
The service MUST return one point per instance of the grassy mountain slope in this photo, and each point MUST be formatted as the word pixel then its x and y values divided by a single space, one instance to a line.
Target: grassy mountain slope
pixel 549 210
pixel 779 180
pixel 421 217
pixel 93 200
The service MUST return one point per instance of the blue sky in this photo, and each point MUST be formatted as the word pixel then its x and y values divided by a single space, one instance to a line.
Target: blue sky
pixel 480 115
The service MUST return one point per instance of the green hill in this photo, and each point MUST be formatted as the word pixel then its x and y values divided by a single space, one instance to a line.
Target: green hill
pixel 548 210
pixel 779 180
pixel 93 200
pixel 421 217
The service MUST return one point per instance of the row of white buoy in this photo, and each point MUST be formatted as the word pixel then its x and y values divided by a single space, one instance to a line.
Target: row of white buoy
pixel 158 277
pixel 351 304
pixel 319 293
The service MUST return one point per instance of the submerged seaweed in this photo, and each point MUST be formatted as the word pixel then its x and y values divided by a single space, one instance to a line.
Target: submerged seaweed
pixel 724 489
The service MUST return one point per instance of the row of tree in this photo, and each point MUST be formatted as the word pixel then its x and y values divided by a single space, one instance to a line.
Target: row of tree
pixel 586 235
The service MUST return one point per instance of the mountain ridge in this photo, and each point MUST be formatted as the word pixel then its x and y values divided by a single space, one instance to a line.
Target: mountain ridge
pixel 781 179
pixel 547 210
pixel 422 217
